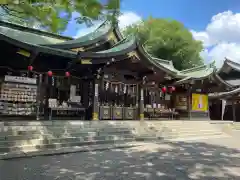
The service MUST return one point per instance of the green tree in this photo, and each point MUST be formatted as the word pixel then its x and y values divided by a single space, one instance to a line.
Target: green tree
pixel 54 15
pixel 168 39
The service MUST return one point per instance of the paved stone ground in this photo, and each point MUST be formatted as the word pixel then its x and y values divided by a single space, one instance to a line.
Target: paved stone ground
pixel 211 159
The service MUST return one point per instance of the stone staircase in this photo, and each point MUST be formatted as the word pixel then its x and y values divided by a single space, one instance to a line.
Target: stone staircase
pixel 174 130
pixel 25 137
pixel 228 127
pixel 37 136
pixel 236 126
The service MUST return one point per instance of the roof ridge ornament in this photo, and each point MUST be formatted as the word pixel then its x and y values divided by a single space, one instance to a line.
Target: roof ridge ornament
pixel 212 64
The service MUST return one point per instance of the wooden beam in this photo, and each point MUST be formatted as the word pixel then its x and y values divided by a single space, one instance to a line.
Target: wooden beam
pixel 122 72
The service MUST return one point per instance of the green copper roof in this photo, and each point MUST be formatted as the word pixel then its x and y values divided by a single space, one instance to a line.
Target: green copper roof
pixel 224 94
pixel 165 63
pixel 228 65
pixel 120 46
pixel 33 47
pixel 29 35
pixel 197 72
pixel 218 79
pixel 33 36
pixel 87 39
pixel 100 31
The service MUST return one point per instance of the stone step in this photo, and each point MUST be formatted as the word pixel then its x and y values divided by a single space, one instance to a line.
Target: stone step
pixel 57 132
pixel 21 128
pixel 17 132
pixel 28 135
pixel 197 132
pixel 31 148
pixel 193 136
pixel 31 134
pixel 67 142
pixel 190 127
pixel 44 129
pixel 194 130
pixel 61 139
pixel 236 126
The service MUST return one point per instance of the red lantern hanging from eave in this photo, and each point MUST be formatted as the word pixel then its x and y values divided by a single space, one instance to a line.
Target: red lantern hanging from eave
pixel 164 89
pixel 49 73
pixel 30 68
pixel 67 74
pixel 172 88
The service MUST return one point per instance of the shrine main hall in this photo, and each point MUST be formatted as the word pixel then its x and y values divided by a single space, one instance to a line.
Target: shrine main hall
pixel 105 76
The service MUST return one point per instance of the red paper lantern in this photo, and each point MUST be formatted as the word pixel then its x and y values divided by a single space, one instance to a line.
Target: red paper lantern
pixel 49 73
pixel 30 68
pixel 67 74
pixel 173 88
pixel 164 89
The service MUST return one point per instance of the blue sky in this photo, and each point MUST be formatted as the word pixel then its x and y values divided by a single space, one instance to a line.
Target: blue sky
pixel 215 22
pixel 194 14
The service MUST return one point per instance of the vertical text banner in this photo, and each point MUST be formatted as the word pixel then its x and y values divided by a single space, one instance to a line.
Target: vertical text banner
pixel 200 102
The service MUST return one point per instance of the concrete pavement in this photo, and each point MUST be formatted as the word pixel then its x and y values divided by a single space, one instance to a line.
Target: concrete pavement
pixel 201 159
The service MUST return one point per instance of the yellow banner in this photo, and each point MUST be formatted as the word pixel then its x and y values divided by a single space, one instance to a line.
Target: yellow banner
pixel 199 102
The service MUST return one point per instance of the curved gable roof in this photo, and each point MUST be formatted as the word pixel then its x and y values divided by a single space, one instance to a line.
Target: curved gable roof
pixel 93 37
pixel 29 35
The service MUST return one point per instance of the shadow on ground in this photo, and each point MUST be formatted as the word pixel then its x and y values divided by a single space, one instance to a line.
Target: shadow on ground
pixel 173 160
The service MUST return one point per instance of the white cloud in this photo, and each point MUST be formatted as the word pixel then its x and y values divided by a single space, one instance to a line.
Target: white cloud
pixel 225 27
pixel 85 30
pixel 126 19
pixel 223 35
pixel 202 36
pixel 222 50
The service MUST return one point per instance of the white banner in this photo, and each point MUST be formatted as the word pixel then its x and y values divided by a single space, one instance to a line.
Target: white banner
pixel 72 90
pixel 18 79
pixel 224 102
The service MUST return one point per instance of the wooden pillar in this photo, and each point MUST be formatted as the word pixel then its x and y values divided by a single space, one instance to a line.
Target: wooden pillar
pixel 141 104
pixel 46 96
pixel 141 101
pixel 137 97
pixel 95 112
pixel 39 96
pixel 190 102
pixel 85 93
pixel 234 110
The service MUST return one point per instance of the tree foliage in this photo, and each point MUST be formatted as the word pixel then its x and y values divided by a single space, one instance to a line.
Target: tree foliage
pixel 170 40
pixel 54 15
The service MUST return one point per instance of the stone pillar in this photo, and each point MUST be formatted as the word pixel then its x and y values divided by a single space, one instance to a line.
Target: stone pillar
pixel 95 110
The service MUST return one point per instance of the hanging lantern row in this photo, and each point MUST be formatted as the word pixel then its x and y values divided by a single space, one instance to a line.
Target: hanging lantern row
pixel 49 73
pixel 170 89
